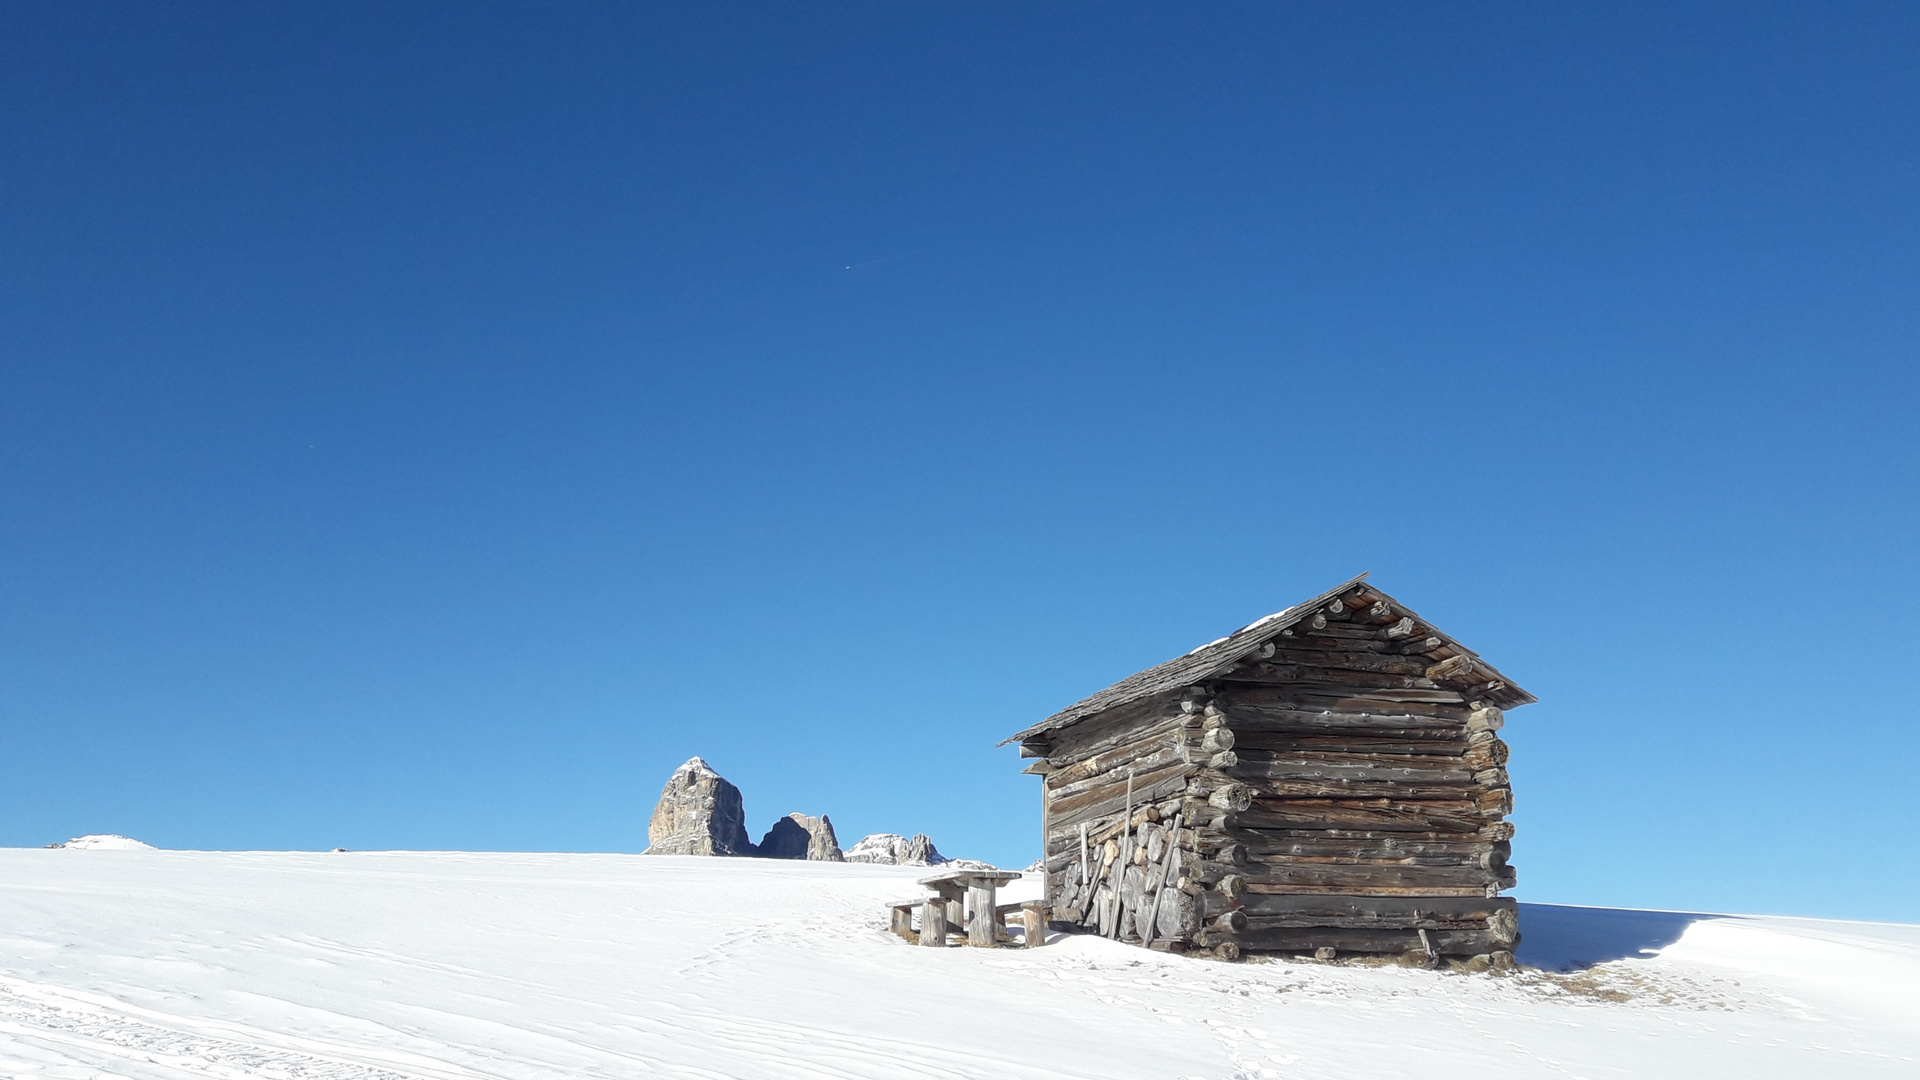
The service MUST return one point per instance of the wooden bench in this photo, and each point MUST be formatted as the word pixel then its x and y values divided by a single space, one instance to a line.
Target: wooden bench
pixel 1033 921
pixel 900 919
pixel 964 900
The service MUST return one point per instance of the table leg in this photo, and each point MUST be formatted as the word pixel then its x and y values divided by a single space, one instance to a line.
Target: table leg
pixel 981 930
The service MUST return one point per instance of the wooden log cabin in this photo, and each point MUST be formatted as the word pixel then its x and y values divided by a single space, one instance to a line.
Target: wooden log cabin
pixel 1326 780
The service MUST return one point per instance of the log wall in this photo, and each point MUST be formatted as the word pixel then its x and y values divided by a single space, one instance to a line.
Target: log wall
pixel 1341 789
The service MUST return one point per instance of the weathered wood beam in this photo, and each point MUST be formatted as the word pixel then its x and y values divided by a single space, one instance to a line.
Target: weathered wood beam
pixel 1112 799
pixel 1416 847
pixel 1485 754
pixel 1437 913
pixel 1097 735
pixel 1116 780
pixel 1382 815
pixel 1268 871
pixel 1351 890
pixel 1298 765
pixel 1307 939
pixel 1442 741
pixel 1341 680
pixel 1344 660
pixel 1245 716
pixel 1459 666
pixel 1341 630
pixel 1360 789
pixel 1486 718
pixel 1363 639
pixel 1315 697
pixel 1142 757
pixel 1489 833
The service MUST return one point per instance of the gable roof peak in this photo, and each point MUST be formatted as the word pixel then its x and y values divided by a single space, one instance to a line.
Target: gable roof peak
pixel 1218 655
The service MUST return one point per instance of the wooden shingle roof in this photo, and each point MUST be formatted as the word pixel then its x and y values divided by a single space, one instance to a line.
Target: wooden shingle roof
pixel 1215 657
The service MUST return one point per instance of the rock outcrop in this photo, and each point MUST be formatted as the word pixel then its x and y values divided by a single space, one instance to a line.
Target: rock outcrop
pixel 801 836
pixel 892 849
pixel 699 813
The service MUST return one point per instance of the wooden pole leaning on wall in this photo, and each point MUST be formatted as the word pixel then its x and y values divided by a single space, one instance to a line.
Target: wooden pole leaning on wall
pixel 1120 864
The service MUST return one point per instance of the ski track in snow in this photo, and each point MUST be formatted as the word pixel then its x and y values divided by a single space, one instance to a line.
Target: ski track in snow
pixel 103 1034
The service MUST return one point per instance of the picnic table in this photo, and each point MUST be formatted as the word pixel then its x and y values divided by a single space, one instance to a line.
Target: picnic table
pixel 965 898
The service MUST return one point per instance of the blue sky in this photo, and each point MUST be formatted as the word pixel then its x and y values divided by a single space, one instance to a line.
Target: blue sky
pixel 426 425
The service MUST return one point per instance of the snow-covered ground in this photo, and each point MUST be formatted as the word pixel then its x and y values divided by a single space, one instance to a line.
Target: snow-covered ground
pixel 388 966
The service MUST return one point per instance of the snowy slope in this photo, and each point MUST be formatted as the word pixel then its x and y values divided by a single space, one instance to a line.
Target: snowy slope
pixel 389 966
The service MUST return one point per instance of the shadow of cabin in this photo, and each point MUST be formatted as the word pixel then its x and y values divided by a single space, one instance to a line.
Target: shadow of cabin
pixel 1326 780
pixel 1560 937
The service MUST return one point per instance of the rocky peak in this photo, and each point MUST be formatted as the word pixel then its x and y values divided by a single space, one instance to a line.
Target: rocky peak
pixel 801 836
pixel 699 813
pixel 892 849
